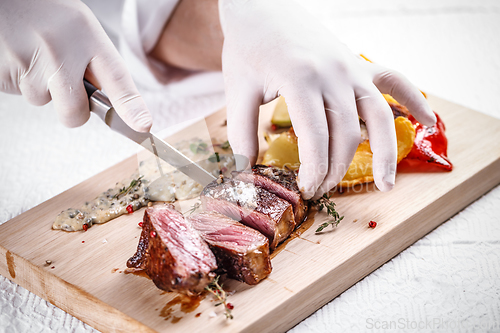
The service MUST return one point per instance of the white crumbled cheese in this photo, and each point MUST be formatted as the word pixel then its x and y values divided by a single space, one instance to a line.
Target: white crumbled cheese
pixel 247 193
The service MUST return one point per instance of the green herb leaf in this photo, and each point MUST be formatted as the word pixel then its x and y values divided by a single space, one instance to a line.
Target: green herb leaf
pixel 124 190
pixel 196 148
pixel 324 202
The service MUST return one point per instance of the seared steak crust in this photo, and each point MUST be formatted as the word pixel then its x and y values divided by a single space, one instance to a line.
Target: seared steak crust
pixel 253 206
pixel 281 182
pixel 241 252
pixel 172 253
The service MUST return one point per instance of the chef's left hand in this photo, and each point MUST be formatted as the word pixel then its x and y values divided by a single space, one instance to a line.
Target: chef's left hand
pixel 274 48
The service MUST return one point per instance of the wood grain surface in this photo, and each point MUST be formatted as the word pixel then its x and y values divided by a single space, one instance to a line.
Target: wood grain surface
pixel 87 275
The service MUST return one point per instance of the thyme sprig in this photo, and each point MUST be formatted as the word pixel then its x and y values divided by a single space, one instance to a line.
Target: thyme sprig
pixel 124 190
pixel 216 158
pixel 193 208
pixel 216 289
pixel 324 202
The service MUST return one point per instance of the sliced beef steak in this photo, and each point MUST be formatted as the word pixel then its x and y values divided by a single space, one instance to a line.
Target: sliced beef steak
pixel 283 183
pixel 172 252
pixel 253 206
pixel 241 252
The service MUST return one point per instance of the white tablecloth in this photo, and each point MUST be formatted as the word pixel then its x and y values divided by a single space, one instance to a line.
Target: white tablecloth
pixel 447 281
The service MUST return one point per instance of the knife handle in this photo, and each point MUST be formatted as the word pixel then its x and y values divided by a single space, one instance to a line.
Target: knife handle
pixel 98 101
pixel 89 87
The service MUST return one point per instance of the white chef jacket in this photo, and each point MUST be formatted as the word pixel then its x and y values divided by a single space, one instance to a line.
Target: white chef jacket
pixel 172 95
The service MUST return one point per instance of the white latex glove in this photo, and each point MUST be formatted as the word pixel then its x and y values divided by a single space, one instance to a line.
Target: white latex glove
pixel 45 48
pixel 274 48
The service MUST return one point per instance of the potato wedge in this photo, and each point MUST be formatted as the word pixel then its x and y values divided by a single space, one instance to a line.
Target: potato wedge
pixel 390 99
pixel 405 134
pixel 280 117
pixel 283 151
pixel 361 168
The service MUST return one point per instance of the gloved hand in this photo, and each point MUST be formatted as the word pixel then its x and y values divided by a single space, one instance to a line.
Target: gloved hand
pixel 276 48
pixel 46 46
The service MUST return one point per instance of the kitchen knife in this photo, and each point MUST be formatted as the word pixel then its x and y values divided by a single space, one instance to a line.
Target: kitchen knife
pixel 101 106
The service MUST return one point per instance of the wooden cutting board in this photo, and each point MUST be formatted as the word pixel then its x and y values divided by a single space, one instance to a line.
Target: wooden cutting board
pixel 86 277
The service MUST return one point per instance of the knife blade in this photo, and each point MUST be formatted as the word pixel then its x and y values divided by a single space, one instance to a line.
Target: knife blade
pixel 102 107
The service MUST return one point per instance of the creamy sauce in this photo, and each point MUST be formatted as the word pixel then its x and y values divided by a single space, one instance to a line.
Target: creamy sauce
pixel 105 207
pixel 169 184
pixel 155 180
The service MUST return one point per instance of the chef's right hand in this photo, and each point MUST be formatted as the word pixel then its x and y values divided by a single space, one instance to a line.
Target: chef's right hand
pixel 46 47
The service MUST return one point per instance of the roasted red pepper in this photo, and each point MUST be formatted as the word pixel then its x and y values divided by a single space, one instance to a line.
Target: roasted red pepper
pixel 429 152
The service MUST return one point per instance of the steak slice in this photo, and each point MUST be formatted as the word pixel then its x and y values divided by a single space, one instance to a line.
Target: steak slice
pixel 241 252
pixel 283 183
pixel 172 253
pixel 253 206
